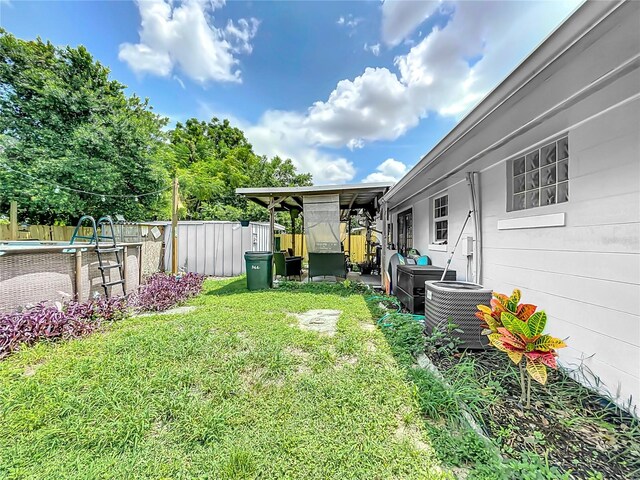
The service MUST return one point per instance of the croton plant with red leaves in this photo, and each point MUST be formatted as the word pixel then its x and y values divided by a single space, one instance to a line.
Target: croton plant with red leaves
pixel 517 329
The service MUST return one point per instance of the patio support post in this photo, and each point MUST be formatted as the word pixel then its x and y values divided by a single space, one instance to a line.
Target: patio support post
pixel 302 237
pixel 349 225
pixel 272 232
pixel 349 235
pixel 293 232
pixel 368 239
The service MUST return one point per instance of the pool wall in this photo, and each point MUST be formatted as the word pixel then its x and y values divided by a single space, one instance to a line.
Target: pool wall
pixel 48 274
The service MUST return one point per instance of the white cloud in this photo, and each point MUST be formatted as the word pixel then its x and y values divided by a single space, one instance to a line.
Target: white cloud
pixel 402 17
pixel 243 33
pixel 373 106
pixel 183 36
pixel 435 75
pixel 349 21
pixel 180 82
pixel 390 170
pixel 375 49
pixel 283 133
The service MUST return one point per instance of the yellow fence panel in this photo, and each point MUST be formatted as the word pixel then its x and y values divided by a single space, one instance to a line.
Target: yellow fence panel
pixel 358 245
pixel 47 233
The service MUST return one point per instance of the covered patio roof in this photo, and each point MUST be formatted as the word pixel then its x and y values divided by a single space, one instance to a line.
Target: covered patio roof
pixel 364 195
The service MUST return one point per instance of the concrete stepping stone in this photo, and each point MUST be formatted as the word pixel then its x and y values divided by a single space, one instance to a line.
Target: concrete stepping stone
pixel 321 321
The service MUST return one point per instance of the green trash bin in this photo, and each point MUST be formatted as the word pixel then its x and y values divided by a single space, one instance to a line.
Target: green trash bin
pixel 259 270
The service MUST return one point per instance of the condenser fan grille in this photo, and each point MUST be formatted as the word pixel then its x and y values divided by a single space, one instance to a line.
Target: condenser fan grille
pixel 456 301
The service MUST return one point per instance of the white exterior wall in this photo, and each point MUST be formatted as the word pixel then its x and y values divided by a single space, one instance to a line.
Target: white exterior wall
pixel 585 274
pixel 423 228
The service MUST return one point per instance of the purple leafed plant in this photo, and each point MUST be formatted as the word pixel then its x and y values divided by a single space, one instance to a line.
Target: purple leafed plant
pixel 49 322
pixel 74 319
pixel 162 291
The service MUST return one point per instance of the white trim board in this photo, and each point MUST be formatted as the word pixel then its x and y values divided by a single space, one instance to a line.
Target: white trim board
pixel 537 221
pixel 434 247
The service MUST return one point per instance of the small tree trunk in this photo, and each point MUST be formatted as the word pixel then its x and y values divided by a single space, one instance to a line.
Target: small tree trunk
pixel 528 391
pixel 522 384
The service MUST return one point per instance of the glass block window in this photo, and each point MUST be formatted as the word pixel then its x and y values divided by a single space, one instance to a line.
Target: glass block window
pixel 541 177
pixel 441 219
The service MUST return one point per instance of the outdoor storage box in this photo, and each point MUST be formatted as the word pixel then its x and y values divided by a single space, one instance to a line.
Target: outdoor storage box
pixel 410 284
pixel 456 301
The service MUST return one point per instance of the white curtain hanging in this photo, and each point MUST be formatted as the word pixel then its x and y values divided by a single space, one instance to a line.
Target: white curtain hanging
pixel 322 223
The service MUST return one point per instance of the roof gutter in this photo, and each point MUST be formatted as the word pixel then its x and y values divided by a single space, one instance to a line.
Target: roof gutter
pixel 454 137
pixel 626 67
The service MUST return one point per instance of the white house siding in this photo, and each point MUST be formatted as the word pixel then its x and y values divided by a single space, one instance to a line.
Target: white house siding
pixel 585 274
pixel 422 227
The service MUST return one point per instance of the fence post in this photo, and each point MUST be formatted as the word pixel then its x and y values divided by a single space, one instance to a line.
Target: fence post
pixel 78 273
pixel 174 227
pixel 140 248
pixel 124 269
pixel 13 220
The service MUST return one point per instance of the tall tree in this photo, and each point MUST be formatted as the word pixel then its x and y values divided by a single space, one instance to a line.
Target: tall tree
pixel 65 122
pixel 214 158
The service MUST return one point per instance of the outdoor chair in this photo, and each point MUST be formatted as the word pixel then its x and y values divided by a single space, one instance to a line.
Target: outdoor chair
pixel 287 266
pixel 327 264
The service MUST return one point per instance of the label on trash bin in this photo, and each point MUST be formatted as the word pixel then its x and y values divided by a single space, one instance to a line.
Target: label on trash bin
pixel 429 295
pixel 255 267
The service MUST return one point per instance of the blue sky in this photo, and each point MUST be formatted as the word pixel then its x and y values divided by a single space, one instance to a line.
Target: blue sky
pixel 350 91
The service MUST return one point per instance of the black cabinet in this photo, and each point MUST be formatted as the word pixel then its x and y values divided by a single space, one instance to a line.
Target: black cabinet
pixel 410 284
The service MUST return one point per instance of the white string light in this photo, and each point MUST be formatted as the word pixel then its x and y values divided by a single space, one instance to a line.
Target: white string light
pixel 103 196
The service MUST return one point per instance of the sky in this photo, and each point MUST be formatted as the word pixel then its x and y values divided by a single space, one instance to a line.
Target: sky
pixel 350 91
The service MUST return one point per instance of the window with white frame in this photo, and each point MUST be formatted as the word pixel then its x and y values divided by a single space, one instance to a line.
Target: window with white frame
pixel 441 220
pixel 541 177
pixel 405 231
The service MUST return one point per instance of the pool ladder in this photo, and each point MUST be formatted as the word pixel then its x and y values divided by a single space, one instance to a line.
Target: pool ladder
pixel 106 244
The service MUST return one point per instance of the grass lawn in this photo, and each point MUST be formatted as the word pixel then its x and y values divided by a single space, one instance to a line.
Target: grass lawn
pixel 233 389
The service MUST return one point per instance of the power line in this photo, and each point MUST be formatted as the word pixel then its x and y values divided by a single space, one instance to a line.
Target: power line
pixel 59 187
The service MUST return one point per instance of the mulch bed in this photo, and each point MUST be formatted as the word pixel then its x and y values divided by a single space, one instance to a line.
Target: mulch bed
pixel 574 429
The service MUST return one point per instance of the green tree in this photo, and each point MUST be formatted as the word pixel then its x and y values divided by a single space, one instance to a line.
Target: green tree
pixel 65 122
pixel 214 158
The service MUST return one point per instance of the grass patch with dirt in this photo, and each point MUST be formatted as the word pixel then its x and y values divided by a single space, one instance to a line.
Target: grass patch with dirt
pixel 232 389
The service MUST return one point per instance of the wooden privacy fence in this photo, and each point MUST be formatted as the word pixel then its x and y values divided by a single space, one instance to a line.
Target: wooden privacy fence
pixel 55 233
pixel 152 247
pixel 45 233
pixel 358 245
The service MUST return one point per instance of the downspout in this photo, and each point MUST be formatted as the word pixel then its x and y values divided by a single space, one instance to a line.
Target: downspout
pixel 478 224
pixel 473 180
pixel 383 240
